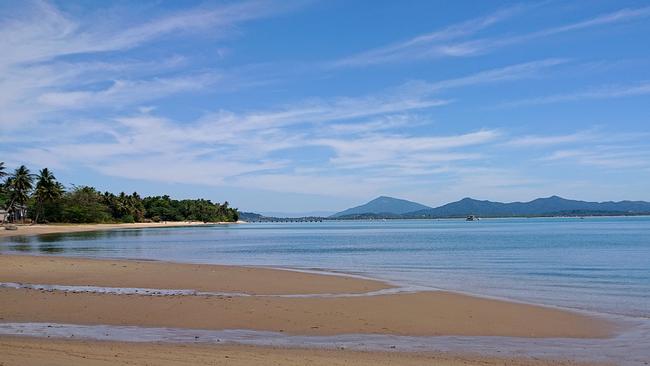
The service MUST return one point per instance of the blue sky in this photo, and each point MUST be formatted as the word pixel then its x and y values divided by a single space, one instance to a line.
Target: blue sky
pixel 297 106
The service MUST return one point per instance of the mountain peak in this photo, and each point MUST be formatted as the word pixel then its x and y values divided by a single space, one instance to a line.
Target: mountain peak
pixel 383 205
pixel 554 197
pixel 553 205
pixel 384 198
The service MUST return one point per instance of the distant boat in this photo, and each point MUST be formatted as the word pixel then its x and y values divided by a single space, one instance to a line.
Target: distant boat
pixel 472 218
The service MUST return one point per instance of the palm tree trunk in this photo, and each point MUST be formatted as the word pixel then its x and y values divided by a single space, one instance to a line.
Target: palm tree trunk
pixel 10 208
pixel 38 207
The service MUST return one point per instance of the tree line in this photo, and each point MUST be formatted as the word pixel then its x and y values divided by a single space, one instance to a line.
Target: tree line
pixel 41 198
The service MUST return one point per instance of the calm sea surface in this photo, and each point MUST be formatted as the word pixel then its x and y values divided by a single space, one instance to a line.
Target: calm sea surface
pixel 600 264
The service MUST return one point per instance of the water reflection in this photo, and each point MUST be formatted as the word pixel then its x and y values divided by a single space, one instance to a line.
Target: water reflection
pixel 69 243
pixel 88 235
pixel 21 248
pixel 77 236
pixel 50 249
pixel 18 239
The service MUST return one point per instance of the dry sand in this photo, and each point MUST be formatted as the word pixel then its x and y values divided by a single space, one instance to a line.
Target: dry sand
pixel 38 352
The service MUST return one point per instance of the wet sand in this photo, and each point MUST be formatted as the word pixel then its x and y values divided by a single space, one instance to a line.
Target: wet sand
pixel 33 352
pixel 418 314
pixel 421 314
pixel 49 270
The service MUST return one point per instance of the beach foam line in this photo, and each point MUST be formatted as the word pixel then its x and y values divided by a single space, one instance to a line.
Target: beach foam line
pixel 627 349
pixel 191 292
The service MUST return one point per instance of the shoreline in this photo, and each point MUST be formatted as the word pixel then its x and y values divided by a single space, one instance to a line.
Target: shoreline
pixel 43 229
pixel 265 306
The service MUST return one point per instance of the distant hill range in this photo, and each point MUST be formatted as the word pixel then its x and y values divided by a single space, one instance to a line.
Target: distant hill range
pixel 383 205
pixel 388 207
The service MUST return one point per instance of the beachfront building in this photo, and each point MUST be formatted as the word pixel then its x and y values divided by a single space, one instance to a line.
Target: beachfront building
pixel 3 215
pixel 17 213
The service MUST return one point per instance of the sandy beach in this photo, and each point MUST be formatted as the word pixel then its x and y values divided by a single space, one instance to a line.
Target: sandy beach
pixel 264 307
pixel 162 275
pixel 422 313
pixel 37 352
pixel 39 229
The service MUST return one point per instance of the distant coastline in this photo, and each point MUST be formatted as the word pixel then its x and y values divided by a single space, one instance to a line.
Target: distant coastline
pixel 389 208
pixel 366 217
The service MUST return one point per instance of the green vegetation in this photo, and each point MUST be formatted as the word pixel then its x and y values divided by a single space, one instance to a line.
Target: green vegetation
pixel 41 198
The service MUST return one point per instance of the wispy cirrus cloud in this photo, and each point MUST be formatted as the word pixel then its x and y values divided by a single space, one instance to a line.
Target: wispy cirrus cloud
pixel 603 92
pixel 128 92
pixel 445 43
pixel 359 133
pixel 525 70
pixel 423 151
pixel 142 98
pixel 42 32
pixel 543 141
pixel 608 156
pixel 427 45
pixel 38 81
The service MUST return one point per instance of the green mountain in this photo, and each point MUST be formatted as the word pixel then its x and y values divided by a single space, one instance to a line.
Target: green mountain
pixel 548 206
pixel 384 206
pixel 388 207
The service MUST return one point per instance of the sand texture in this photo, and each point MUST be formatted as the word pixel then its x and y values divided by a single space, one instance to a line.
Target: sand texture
pixel 38 352
pixel 420 314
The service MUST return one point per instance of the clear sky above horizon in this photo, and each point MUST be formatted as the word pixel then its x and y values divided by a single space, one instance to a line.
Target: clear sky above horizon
pixel 294 106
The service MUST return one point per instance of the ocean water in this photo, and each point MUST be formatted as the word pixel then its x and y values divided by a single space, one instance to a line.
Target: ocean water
pixel 597 264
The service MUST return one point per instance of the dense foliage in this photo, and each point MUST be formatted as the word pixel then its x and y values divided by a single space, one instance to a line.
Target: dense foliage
pixel 42 198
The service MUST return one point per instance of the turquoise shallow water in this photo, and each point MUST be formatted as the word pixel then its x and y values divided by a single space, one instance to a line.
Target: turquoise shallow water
pixel 598 264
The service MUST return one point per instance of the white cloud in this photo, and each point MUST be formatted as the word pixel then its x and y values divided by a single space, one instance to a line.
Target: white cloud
pixel 603 92
pixel 537 140
pixel 605 156
pixel 439 44
pixel 36 84
pixel 508 73
pixel 360 133
pixel 104 116
pixel 428 44
pixel 44 32
pixel 127 92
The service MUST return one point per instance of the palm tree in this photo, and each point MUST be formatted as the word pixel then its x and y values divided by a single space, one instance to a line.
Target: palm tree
pixel 47 190
pixel 20 184
pixel 2 187
pixel 2 175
